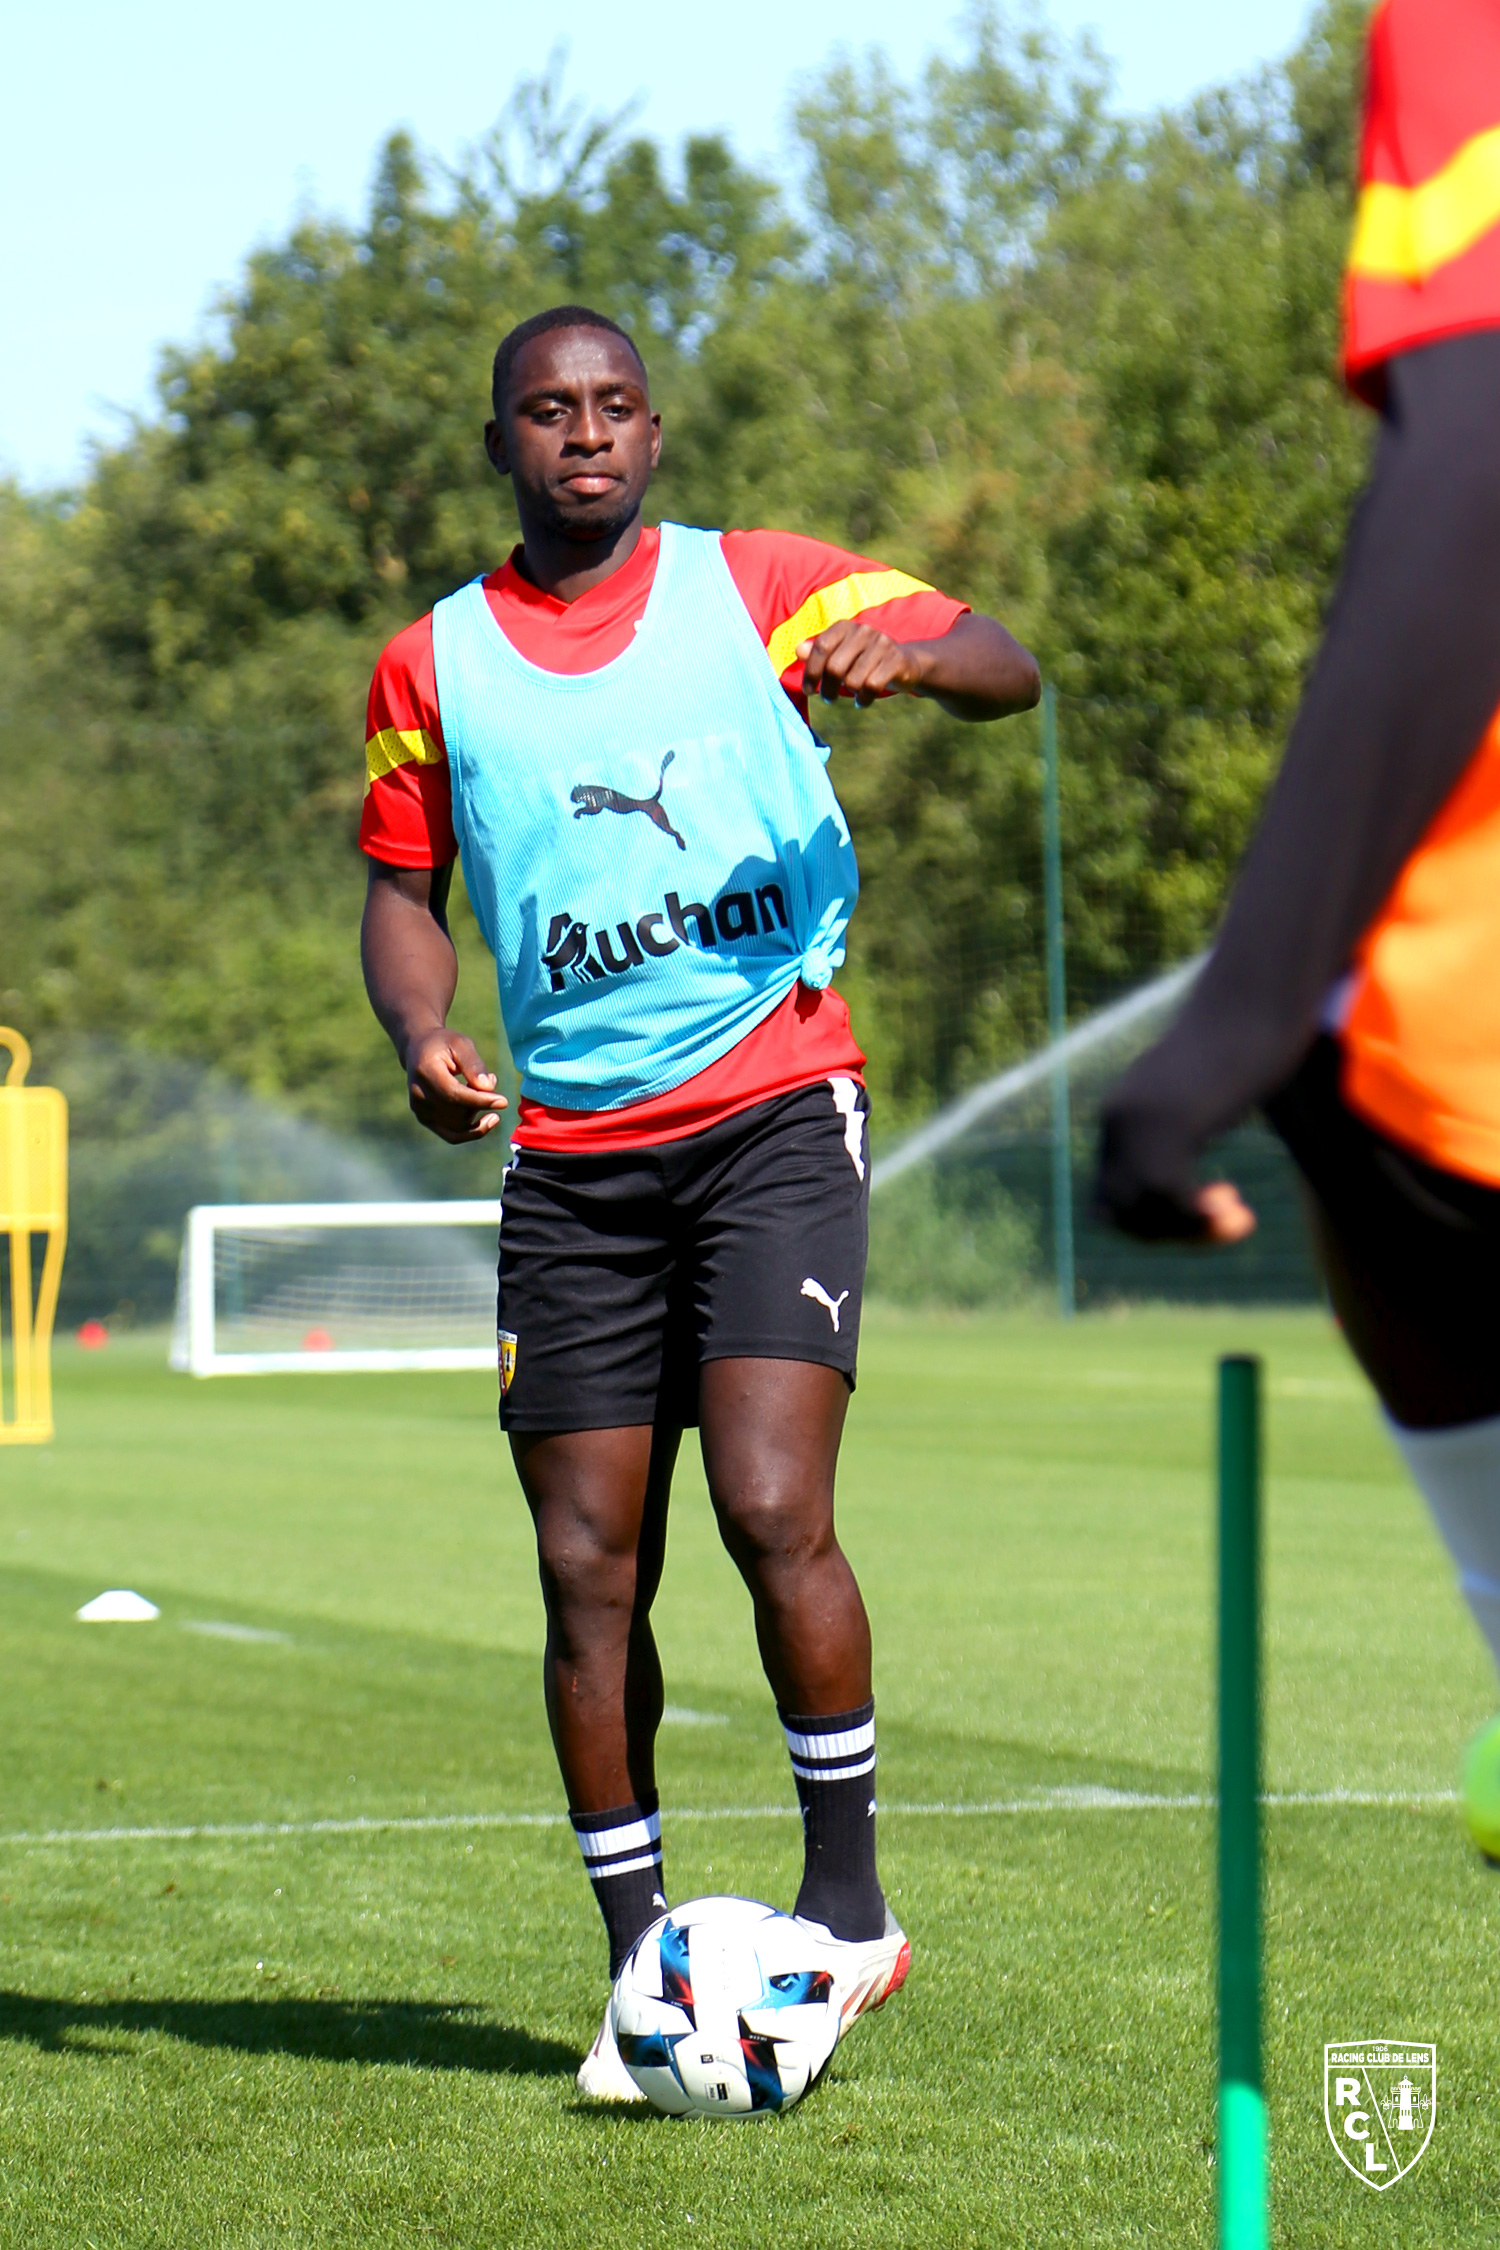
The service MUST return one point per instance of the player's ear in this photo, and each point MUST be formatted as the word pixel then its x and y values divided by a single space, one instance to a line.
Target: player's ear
pixel 655 440
pixel 494 446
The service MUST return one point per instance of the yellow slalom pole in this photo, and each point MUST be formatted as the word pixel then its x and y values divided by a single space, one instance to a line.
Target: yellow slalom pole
pixel 33 1200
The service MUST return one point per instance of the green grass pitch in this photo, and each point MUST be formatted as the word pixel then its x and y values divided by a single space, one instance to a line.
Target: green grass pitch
pixel 367 2035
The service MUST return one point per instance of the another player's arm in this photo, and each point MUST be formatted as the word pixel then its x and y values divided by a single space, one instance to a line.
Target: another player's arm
pixel 1404 685
pixel 976 670
pixel 411 975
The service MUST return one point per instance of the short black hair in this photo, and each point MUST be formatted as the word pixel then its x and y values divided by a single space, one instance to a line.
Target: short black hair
pixel 542 324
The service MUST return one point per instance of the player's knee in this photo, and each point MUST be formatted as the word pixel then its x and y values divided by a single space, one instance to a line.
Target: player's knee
pixel 583 1575
pixel 774 1519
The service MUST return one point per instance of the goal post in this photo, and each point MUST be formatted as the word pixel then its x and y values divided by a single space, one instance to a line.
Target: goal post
pixel 326 1288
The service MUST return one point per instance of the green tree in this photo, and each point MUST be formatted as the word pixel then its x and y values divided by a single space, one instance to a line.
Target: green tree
pixel 1074 371
pixel 227 577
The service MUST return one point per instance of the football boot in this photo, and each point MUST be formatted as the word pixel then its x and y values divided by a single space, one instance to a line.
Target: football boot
pixel 865 1972
pixel 602 2075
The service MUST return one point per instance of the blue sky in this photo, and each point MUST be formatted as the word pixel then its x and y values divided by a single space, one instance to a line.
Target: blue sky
pixel 148 148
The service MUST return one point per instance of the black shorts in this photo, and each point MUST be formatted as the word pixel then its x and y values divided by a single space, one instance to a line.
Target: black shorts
pixel 621 1275
pixel 1419 1245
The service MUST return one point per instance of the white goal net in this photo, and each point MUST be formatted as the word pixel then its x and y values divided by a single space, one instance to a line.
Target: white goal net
pixel 276 1288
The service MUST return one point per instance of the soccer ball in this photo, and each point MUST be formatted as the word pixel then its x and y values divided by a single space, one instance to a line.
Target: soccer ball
pixel 724 2009
pixel 1482 1790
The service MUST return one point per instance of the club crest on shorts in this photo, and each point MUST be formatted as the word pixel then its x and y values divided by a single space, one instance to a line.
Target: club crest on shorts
pixel 505 1338
pixel 1380 2105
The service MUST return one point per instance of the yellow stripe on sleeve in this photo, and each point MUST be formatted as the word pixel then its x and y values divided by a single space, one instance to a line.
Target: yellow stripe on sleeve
pixel 399 746
pixel 1405 234
pixel 846 597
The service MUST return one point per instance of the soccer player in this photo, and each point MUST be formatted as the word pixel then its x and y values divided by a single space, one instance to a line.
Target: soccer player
pixel 1354 991
pixel 611 731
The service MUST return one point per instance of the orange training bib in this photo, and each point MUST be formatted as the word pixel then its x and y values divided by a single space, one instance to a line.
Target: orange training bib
pixel 1422 1037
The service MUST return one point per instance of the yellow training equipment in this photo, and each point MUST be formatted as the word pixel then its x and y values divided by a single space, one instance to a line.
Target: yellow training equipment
pixel 33 1200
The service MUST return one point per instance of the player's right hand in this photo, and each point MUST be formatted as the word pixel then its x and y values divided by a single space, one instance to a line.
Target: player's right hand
pixel 1147 1187
pixel 451 1091
pixel 1212 1218
pixel 1227 1217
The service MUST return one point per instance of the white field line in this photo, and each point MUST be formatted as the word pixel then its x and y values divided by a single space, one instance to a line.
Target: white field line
pixel 1055 1800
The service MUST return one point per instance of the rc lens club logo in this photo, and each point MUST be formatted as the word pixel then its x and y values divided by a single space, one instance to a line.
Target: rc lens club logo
pixel 1380 2104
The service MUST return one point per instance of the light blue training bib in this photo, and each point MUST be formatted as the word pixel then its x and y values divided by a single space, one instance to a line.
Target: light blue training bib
pixel 653 850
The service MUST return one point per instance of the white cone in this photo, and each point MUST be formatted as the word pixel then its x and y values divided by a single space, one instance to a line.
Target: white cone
pixel 118 1607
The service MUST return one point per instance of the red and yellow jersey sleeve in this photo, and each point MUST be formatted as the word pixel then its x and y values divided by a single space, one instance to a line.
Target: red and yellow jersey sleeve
pixel 793 587
pixel 1425 259
pixel 408 815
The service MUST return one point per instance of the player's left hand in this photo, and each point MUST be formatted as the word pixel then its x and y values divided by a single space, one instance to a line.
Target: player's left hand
pixel 853 659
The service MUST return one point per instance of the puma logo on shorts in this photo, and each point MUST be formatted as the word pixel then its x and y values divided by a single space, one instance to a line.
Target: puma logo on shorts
pixel 819 1295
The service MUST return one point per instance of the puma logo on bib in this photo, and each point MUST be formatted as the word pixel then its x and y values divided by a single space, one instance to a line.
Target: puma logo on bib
pixel 592 797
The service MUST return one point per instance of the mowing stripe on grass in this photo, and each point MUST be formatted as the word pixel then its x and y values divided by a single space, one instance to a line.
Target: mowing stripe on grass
pixel 1055 1800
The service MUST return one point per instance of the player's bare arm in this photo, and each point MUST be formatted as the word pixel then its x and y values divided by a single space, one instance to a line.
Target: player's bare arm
pixel 976 670
pixel 411 974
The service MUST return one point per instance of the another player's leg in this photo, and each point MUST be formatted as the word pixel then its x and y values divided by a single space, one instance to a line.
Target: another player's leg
pixel 1409 1254
pixel 1458 1472
pixel 771 1430
pixel 1440 1387
pixel 599 1499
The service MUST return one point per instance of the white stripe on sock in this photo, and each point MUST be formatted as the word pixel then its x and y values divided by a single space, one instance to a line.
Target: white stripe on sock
pixel 833 1773
pixel 594 1841
pixel 831 1745
pixel 622 1866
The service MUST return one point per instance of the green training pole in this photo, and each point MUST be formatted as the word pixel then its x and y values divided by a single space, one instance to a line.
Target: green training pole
pixel 1243 2221
pixel 1057 1012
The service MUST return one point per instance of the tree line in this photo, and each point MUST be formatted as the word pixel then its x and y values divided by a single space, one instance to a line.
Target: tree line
pixel 1075 370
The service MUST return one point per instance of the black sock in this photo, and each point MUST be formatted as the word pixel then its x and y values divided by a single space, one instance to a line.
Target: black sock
pixel 622 1852
pixel 833 1764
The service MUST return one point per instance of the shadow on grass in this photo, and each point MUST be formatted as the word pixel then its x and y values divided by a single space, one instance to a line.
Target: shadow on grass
pixel 425 2034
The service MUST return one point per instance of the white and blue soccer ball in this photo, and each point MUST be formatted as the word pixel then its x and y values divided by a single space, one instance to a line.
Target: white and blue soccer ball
pixel 725 2009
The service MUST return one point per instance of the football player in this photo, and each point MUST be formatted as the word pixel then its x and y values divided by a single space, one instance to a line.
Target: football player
pixel 611 731
pixel 1354 992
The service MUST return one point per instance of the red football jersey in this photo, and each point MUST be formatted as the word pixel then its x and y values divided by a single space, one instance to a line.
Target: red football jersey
pixel 792 587
pixel 1425 259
